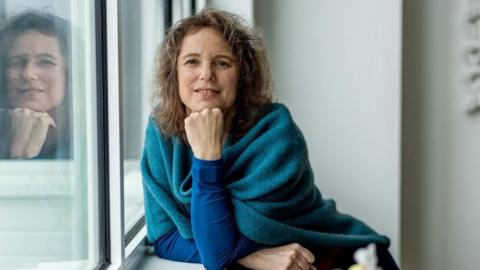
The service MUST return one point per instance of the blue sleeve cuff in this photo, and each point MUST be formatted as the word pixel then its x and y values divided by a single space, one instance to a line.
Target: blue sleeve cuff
pixel 207 163
pixel 208 172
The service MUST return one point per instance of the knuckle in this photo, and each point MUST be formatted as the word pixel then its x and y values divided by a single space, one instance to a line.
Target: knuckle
pixel 39 115
pixel 296 246
pixel 291 263
pixel 291 256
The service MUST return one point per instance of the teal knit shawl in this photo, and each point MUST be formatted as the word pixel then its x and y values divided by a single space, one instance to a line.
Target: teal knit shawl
pixel 270 180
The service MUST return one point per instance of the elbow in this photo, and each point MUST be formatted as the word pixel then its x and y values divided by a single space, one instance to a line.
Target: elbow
pixel 213 266
pixel 214 262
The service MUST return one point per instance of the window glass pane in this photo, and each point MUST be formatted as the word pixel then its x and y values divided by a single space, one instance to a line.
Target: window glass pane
pixel 48 174
pixel 141 31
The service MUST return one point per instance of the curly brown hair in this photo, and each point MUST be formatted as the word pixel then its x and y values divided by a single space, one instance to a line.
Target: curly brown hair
pixel 254 89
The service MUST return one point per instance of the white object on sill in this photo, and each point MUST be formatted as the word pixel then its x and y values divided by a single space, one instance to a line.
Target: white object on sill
pixel 366 258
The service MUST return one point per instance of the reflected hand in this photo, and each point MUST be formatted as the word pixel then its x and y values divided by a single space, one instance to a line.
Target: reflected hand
pixel 28 132
pixel 291 257
pixel 205 133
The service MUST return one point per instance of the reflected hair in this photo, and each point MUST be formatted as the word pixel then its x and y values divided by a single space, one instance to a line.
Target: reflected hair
pixel 254 90
pixel 31 20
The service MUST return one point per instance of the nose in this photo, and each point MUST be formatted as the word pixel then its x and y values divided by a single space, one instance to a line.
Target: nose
pixel 29 71
pixel 207 73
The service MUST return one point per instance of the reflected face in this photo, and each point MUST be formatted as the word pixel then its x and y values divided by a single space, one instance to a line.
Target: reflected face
pixel 207 72
pixel 35 73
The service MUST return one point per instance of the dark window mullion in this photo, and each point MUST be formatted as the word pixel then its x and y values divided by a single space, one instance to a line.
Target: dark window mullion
pixel 102 108
pixel 193 7
pixel 168 13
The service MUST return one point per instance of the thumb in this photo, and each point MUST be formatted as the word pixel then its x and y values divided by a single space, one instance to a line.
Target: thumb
pixel 50 121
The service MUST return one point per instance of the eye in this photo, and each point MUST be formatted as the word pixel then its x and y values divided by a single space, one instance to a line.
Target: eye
pixel 191 62
pixel 46 62
pixel 222 63
pixel 16 62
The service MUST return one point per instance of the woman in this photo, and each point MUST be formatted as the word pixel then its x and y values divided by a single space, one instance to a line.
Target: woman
pixel 34 107
pixel 226 174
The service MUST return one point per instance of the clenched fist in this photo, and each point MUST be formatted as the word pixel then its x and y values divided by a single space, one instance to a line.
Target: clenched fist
pixel 28 132
pixel 205 133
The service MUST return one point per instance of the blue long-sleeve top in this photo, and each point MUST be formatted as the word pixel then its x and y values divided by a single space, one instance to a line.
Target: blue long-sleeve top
pixel 217 241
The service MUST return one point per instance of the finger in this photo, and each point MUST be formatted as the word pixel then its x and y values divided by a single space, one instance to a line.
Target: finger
pixel 50 121
pixel 302 262
pixel 40 119
pixel 307 254
pixel 20 132
pixel 218 113
pixel 219 118
pixel 35 144
pixel 40 123
pixel 205 111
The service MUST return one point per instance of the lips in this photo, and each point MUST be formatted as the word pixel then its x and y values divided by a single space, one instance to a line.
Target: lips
pixel 30 90
pixel 207 92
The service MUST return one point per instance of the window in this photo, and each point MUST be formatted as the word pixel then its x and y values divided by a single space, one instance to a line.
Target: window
pixel 48 144
pixel 139 39
pixel 71 194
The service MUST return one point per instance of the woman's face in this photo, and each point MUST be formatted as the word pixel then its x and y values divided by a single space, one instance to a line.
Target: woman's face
pixel 35 72
pixel 207 72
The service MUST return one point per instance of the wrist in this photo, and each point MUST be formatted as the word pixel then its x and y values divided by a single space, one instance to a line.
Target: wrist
pixel 207 163
pixel 251 261
pixel 208 155
pixel 207 173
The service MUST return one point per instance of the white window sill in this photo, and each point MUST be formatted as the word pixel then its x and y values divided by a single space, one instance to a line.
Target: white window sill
pixel 73 265
pixel 152 262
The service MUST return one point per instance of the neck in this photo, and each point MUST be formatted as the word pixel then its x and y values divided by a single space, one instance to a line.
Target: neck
pixel 228 119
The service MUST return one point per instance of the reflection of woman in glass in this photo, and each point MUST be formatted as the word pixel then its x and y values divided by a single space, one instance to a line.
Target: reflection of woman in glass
pixel 34 80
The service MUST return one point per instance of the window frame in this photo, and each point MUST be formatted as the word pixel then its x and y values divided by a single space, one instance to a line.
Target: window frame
pixel 102 126
pixel 123 250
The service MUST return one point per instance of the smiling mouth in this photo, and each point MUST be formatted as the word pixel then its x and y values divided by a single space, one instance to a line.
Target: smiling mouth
pixel 30 90
pixel 207 92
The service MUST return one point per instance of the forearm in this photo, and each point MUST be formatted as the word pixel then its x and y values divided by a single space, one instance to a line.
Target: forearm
pixel 173 247
pixel 218 239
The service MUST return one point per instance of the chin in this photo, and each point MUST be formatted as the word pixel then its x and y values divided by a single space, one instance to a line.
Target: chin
pixel 32 106
pixel 202 107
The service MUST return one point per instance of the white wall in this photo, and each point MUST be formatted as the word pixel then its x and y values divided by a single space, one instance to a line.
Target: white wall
pixel 336 64
pixel 441 144
pixel 242 8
